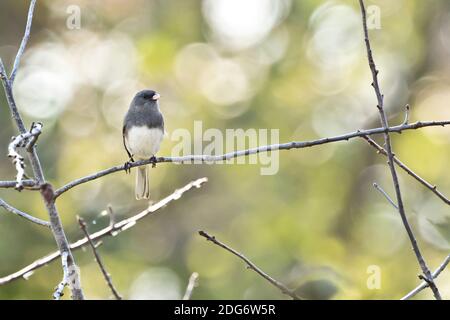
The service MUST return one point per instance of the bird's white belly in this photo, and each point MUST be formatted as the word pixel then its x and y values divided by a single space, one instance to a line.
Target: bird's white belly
pixel 143 142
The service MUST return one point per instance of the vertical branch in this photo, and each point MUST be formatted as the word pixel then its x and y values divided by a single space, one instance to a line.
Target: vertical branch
pixel 112 216
pixel 380 99
pixel 193 282
pixel 61 239
pixel 45 188
pixel 59 290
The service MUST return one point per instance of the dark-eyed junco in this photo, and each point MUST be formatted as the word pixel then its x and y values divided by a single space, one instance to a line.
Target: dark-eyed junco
pixel 143 131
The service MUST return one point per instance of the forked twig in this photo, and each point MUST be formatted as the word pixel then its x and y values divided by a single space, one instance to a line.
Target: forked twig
pixel 390 155
pixel 431 187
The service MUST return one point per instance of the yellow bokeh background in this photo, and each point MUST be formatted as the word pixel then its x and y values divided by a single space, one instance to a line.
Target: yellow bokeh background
pixel 317 225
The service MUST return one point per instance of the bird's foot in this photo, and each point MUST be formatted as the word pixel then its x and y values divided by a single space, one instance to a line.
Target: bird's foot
pixel 127 166
pixel 153 161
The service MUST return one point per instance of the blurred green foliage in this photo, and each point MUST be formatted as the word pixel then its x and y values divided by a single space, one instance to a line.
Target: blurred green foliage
pixel 297 66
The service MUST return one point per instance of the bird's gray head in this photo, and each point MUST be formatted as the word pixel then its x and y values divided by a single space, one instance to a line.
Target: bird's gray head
pixel 146 96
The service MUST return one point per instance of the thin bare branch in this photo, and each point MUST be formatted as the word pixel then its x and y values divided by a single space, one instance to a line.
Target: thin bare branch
pixel 424 284
pixel 193 282
pixel 241 153
pixel 252 266
pixel 384 193
pixel 390 155
pixel 59 290
pixel 112 215
pixel 26 184
pixel 120 226
pixel 407 109
pixel 46 189
pixel 22 214
pixel 24 42
pixel 431 187
pixel 105 273
pixel 70 278
pixel 3 75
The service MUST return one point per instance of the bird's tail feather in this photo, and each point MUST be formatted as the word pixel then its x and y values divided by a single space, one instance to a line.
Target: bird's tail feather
pixel 142 187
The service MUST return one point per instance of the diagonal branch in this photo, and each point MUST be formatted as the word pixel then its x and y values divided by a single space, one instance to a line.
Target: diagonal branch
pixel 424 284
pixel 111 230
pixel 105 273
pixel 252 266
pixel 428 185
pixel 3 75
pixel 390 155
pixel 242 153
pixel 24 42
pixel 384 193
pixel 13 210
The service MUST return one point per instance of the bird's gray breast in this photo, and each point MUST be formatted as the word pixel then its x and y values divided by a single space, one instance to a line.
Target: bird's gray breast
pixel 143 115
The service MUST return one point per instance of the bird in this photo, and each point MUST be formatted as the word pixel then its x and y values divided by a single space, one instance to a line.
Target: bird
pixel 143 132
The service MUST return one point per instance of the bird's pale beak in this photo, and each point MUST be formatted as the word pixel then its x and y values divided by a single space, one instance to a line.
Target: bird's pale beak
pixel 156 96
